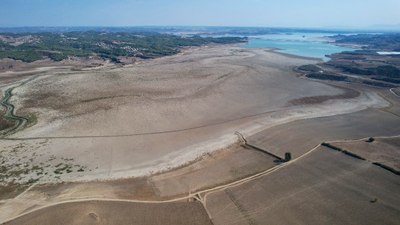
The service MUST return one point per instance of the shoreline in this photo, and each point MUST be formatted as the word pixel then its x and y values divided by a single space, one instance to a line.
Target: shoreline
pixel 279 51
pixel 33 70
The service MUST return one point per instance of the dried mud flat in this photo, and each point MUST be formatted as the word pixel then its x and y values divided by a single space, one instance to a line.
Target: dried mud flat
pixel 156 115
pixel 167 118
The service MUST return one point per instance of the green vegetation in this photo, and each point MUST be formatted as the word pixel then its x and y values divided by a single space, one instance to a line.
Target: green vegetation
pixel 383 42
pixel 9 122
pixel 309 68
pixel 63 167
pixel 4 123
pixel 59 46
pixel 381 71
pixel 324 76
pixel 288 156
pixel 370 140
pixel 374 200
pixel 378 84
pixel 331 146
pixel 354 70
pixel 32 119
pixel 386 71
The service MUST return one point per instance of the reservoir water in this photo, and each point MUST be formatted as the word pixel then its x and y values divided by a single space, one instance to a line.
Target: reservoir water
pixel 302 44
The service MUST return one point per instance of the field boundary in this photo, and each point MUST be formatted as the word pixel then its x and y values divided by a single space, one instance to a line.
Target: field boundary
pixel 206 192
pixel 342 150
pixel 244 141
pixel 349 153
pixel 388 168
pixel 393 92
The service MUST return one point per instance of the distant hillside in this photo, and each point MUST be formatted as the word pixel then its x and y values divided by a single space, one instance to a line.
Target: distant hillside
pixel 30 47
pixel 377 42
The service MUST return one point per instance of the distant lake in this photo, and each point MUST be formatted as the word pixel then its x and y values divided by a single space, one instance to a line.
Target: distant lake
pixel 301 44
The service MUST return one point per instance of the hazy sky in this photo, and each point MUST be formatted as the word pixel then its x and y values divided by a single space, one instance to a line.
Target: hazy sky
pixel 289 13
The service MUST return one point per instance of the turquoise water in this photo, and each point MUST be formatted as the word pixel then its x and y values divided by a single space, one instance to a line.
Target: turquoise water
pixel 301 44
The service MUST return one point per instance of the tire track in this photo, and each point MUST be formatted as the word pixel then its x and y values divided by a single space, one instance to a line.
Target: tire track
pixel 146 133
pixel 195 195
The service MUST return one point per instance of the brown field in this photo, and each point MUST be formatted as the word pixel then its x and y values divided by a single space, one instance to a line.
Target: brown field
pixel 291 137
pixel 109 212
pixel 113 144
pixel 325 187
pixel 348 93
pixel 383 150
pixel 108 123
pixel 229 165
pixel 215 169
pixel 10 191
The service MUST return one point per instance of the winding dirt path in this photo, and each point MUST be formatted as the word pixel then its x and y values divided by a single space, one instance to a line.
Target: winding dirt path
pixel 203 194
pixel 393 92
pixel 146 133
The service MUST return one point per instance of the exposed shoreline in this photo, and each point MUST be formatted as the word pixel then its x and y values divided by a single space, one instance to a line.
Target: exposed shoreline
pixel 249 124
pixel 175 174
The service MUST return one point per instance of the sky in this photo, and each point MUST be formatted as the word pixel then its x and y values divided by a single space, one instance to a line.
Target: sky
pixel 267 13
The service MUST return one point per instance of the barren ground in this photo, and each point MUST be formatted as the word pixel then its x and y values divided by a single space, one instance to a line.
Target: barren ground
pixel 383 150
pixel 215 169
pixel 159 114
pixel 325 187
pixel 162 132
pixel 118 213
pixel 371 122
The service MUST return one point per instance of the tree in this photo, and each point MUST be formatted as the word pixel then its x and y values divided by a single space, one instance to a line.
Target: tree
pixel 370 140
pixel 288 156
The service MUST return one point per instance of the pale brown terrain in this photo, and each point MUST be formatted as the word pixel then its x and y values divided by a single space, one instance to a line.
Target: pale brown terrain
pixel 218 168
pixel 100 212
pixel 110 123
pixel 18 65
pixel 118 145
pixel 382 150
pixel 290 137
pixel 226 166
pixel 325 187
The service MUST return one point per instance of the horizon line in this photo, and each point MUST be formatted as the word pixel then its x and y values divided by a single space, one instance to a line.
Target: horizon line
pixel 329 28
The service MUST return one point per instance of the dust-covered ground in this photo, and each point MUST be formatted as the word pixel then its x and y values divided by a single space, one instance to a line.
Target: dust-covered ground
pixel 385 151
pixel 324 187
pixel 109 123
pixel 218 168
pixel 174 119
pixel 109 212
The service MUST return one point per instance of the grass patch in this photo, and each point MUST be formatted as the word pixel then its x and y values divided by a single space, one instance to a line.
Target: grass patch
pixel 32 119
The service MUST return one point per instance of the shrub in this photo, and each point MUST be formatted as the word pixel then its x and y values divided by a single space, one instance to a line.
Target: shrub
pixel 370 140
pixel 288 156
